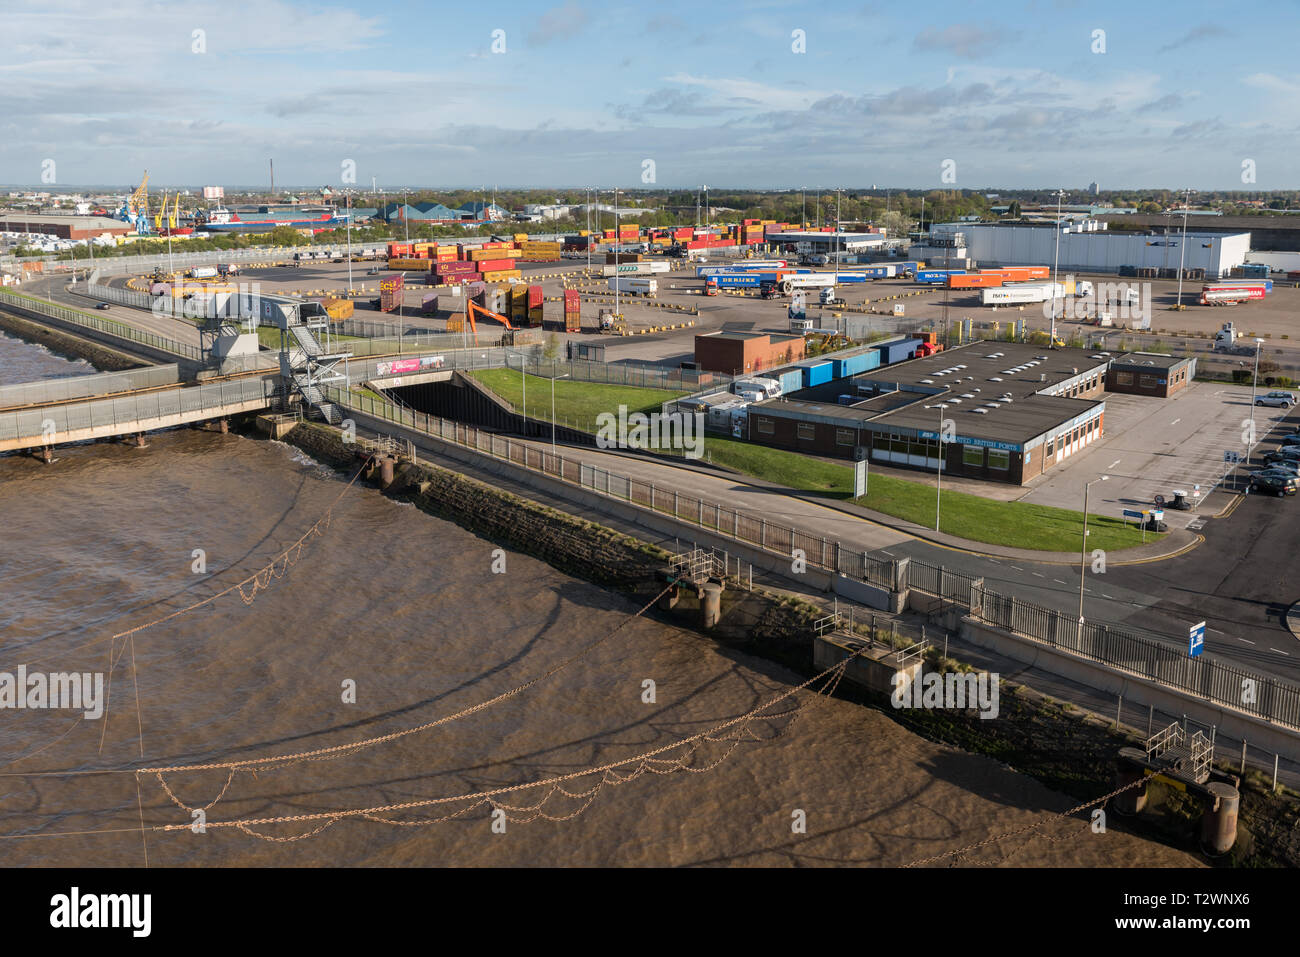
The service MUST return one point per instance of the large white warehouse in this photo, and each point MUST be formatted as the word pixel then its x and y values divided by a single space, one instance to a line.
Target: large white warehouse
pixel 1088 247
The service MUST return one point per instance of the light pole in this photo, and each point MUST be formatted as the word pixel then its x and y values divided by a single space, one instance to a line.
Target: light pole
pixel 553 378
pixel 349 203
pixel 1083 549
pixel 1254 384
pixel 406 220
pixel 1056 261
pixel 1182 246
pixel 803 207
pixel 618 242
pixel 938 472
pixel 837 232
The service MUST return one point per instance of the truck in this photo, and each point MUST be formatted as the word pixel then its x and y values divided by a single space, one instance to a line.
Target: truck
pixel 634 286
pixel 1230 294
pixel 1026 292
pixel 1227 340
pixel 759 387
pixel 827 297
pixel 789 284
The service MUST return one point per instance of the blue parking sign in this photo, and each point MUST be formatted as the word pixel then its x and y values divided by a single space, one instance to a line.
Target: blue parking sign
pixel 1196 640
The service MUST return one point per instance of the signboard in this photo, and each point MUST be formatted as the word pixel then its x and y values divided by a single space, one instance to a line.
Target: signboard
pixel 1196 639
pixel 962 440
pixel 859 478
pixel 214 192
pixel 1134 514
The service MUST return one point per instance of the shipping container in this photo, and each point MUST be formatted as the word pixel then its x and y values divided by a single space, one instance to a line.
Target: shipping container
pixel 933 277
pixel 501 275
pixel 632 284
pixel 535 297
pixel 816 373
pixel 495 265
pixel 519 302
pixel 897 351
pixel 429 305
pixel 979 280
pixel 338 309
pixel 390 293
pixel 411 265
pixel 1266 283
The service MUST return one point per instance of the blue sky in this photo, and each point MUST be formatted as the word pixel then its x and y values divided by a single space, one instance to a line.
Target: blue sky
pixel 585 92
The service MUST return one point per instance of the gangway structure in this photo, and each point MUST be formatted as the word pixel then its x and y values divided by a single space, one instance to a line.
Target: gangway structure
pixel 308 361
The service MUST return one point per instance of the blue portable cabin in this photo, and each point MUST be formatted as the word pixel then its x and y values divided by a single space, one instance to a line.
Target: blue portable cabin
pixel 791 380
pixel 816 373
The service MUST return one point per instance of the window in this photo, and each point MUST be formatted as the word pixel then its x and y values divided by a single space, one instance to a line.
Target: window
pixel 1123 378
pixel 972 455
pixel 879 440
pixel 807 431
pixel 843 436
pixel 999 459
pixel 1060 444
pixel 1148 382
pixel 765 426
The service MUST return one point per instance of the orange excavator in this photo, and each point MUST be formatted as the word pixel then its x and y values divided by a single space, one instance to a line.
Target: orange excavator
pixel 471 308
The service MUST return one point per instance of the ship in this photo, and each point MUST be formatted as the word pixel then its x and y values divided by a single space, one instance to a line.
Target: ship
pixel 263 219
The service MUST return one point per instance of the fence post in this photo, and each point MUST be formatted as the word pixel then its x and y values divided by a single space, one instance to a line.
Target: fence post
pixel 762 532
pixel 735 524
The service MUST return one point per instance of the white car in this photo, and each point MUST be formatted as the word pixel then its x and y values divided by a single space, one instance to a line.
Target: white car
pixel 1281 399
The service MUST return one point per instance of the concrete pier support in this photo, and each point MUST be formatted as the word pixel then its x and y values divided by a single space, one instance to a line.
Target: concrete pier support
pixel 710 604
pixel 387 470
pixel 1219 822
pixel 46 454
pixel 1129 770
pixel 223 426
pixel 138 442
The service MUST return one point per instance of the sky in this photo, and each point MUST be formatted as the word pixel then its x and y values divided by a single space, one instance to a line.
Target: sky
pixel 758 94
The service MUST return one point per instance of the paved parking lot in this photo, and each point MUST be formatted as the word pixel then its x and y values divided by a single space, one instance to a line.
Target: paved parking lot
pixel 1154 446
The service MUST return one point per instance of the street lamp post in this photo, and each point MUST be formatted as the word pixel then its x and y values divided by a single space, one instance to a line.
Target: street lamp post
pixel 349 203
pixel 553 378
pixel 406 220
pixel 803 207
pixel 1182 246
pixel 1056 260
pixel 1083 549
pixel 1254 384
pixel 938 472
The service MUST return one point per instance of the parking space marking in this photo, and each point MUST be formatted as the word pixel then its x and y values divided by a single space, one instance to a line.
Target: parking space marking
pixel 1281 652
pixel 1246 640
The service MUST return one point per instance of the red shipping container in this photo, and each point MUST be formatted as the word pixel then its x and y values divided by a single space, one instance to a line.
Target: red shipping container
pixel 535 297
pixel 492 265
pixel 399 250
pixel 455 266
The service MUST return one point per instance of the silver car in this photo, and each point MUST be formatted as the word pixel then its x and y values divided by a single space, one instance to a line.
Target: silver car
pixel 1282 400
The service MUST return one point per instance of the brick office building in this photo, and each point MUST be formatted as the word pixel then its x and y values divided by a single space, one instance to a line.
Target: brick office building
pixel 737 353
pixel 1149 373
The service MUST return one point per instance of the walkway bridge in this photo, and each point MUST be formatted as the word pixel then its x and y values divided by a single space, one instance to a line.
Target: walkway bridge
pixel 40 415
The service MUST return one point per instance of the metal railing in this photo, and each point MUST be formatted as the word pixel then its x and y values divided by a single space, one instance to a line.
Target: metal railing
pixel 126 411
pixel 646 376
pixel 107 327
pixel 1142 654
pixel 1204 677
pixel 86 386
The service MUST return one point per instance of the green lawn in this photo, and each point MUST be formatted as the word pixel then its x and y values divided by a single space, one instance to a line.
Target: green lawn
pixel 576 403
pixel 1014 524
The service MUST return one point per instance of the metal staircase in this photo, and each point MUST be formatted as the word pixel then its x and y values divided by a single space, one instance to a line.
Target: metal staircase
pixel 306 359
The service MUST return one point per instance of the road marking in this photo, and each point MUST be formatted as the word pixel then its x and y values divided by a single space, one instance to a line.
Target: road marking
pixel 883 552
pixel 1017 568
pixel 1038 575
pixel 1248 641
pixel 1107 597
pixel 1281 652
pixel 1176 421
pixel 1217 632
pixel 1113 464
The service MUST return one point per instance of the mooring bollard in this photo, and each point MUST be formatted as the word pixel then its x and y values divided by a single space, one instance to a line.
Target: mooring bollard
pixel 387 467
pixel 1128 771
pixel 710 604
pixel 1219 822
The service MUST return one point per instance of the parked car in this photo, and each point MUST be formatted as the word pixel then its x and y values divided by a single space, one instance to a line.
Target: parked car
pixel 1291 439
pixel 1285 453
pixel 1285 469
pixel 1282 400
pixel 1278 485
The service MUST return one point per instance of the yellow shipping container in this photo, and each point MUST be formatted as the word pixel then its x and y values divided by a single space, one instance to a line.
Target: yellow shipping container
pixel 500 275
pixel 456 324
pixel 416 265
pixel 521 237
pixel 338 309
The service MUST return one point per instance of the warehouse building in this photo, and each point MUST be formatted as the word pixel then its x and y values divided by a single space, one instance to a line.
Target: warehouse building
pixel 1084 247
pixel 1008 412
pixel 739 352
pixel 65 227
pixel 819 242
pixel 1149 373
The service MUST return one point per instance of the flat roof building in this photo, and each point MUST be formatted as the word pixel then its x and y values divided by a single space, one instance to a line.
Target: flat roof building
pixel 739 352
pixel 65 227
pixel 1149 373
pixel 1007 411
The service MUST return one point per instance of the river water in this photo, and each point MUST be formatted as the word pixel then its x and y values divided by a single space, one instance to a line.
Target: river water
pixel 406 609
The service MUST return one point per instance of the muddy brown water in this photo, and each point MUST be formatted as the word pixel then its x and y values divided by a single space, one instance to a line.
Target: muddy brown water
pixel 408 608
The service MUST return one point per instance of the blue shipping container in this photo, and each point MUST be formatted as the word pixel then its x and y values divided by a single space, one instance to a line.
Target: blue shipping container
pixel 937 275
pixel 791 380
pixel 816 373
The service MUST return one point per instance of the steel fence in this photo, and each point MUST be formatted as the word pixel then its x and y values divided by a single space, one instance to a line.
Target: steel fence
pixel 646 376
pixel 1205 676
pixel 105 326
pixel 56 421
pixel 87 386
